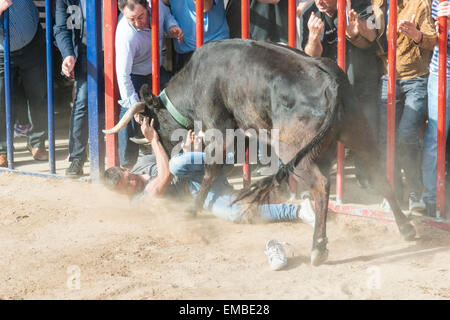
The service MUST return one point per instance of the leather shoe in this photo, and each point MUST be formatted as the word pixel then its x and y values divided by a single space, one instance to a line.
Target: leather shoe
pixel 39 154
pixel 3 161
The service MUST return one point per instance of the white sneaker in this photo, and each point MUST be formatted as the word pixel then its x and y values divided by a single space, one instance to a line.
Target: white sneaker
pixel 306 212
pixel 415 203
pixel 275 253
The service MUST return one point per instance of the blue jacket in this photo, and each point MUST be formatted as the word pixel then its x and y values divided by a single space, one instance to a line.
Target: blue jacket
pixel 68 40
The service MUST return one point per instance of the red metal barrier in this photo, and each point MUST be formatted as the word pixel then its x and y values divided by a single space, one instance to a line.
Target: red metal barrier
pixel 292 16
pixel 341 60
pixel 442 96
pixel 392 63
pixel 245 19
pixel 200 28
pixel 245 34
pixel 155 47
pixel 111 87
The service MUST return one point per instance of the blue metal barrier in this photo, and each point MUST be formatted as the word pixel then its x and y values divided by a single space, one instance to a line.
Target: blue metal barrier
pixel 50 87
pixel 95 91
pixel 7 74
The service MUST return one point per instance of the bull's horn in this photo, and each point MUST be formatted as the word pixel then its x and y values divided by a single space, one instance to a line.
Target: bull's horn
pixel 139 141
pixel 129 114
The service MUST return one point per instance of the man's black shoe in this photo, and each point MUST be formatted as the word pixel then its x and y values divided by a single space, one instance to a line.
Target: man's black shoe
pixel 76 169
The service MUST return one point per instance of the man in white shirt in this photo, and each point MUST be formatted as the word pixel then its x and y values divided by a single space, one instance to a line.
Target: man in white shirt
pixel 134 62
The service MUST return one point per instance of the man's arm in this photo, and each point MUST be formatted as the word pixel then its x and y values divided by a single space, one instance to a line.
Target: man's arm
pixel 170 23
pixel 358 33
pixel 421 28
pixel 314 47
pixel 158 186
pixel 63 35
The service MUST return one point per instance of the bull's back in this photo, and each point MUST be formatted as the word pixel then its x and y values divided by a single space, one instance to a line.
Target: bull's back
pixel 265 85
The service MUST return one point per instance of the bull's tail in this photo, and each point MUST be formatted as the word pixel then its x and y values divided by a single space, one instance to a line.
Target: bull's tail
pixel 263 188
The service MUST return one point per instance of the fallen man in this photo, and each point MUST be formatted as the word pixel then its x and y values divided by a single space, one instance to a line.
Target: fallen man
pixel 156 176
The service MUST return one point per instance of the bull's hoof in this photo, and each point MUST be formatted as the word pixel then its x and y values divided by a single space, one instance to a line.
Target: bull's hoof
pixel 318 257
pixel 408 231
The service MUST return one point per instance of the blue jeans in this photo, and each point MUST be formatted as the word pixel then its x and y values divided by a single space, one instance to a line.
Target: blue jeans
pixel 79 117
pixel 411 104
pixel 128 151
pixel 430 140
pixel 28 62
pixel 190 168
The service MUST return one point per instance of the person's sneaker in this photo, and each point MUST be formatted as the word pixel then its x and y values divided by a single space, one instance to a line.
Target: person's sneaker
pixel 415 203
pixel 76 169
pixel 275 253
pixel 306 212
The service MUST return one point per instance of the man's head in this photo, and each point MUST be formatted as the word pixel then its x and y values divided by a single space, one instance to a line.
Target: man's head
pixel 329 7
pixel 136 12
pixel 123 181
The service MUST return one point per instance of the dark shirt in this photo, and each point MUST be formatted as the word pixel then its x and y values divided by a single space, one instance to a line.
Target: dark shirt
pixel 267 21
pixel 363 66
pixel 329 35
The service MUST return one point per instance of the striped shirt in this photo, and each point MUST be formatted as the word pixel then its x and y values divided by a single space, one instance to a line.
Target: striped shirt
pixel 435 60
pixel 23 23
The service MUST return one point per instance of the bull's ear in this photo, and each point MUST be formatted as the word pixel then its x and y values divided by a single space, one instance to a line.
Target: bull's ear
pixel 146 96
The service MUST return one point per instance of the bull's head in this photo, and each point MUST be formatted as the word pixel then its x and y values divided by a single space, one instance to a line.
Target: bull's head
pixel 145 108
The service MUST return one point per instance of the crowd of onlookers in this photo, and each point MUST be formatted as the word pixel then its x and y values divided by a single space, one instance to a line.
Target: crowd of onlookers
pixel 366 54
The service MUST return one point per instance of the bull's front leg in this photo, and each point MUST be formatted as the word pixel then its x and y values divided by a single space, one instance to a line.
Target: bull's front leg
pixel 212 171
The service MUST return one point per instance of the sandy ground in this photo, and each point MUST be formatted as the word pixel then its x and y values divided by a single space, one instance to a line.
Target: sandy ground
pixel 72 240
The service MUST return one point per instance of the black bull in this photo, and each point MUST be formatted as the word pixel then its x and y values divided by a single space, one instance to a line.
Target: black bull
pixel 257 85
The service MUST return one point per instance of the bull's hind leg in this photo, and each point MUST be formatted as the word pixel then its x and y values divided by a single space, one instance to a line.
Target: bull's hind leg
pixel 360 139
pixel 319 183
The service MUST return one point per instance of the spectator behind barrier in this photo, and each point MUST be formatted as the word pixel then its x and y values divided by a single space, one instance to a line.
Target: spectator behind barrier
pixel 134 62
pixel 215 25
pixel 318 37
pixel 71 41
pixel 27 60
pixel 268 19
pixel 416 38
pixel 430 140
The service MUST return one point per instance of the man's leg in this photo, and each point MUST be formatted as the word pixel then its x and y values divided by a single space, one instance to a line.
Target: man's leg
pixel 399 102
pixel 79 117
pixel 409 149
pixel 32 66
pixel 190 167
pixel 430 141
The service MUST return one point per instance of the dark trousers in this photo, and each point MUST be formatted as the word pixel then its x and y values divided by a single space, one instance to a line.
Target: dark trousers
pixel 129 151
pixel 78 131
pixel 28 62
pixel 181 59
pixel 411 105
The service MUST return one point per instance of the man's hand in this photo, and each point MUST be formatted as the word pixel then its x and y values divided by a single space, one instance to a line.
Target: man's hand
pixel 409 29
pixel 5 4
pixel 192 143
pixel 149 131
pixel 354 25
pixel 67 66
pixel 315 26
pixel 176 33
